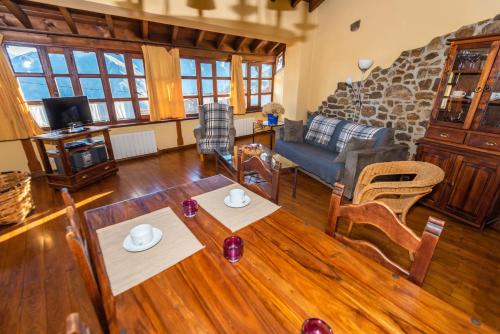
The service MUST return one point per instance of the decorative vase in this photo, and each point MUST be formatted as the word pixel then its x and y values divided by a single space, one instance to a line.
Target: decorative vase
pixel 272 119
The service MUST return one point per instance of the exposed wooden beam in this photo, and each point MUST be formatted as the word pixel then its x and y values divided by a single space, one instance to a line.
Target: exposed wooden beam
pixel 239 43
pixel 17 11
pixel 175 32
pixel 111 25
pixel 313 4
pixel 145 29
pixel 199 37
pixel 272 48
pixel 69 19
pixel 221 40
pixel 294 3
pixel 257 44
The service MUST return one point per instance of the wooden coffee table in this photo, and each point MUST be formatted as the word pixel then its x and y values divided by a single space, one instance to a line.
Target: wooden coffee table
pixel 227 159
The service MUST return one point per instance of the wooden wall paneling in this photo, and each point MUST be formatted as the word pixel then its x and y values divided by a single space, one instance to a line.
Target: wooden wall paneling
pixel 17 11
pixel 69 20
pixel 220 41
pixel 180 138
pixel 175 32
pixel 199 37
pixel 145 29
pixel 111 25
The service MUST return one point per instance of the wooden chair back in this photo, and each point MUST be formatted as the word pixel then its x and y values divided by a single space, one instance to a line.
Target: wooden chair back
pixel 74 221
pixel 382 217
pixel 259 176
pixel 67 198
pixel 80 253
pixel 74 325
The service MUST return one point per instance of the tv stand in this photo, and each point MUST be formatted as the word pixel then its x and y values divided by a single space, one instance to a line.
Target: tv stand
pixel 88 161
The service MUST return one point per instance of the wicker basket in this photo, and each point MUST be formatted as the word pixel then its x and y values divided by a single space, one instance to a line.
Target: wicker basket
pixel 15 197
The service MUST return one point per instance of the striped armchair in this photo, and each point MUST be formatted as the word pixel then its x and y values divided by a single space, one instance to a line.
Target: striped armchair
pixel 216 128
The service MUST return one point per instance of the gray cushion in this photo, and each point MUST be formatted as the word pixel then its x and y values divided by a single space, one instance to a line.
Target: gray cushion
pixel 313 159
pixel 294 131
pixel 355 144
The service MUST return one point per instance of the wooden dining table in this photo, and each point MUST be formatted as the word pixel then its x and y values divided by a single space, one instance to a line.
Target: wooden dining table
pixel 289 272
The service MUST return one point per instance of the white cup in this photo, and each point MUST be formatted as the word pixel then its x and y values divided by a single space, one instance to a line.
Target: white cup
pixel 141 234
pixel 237 196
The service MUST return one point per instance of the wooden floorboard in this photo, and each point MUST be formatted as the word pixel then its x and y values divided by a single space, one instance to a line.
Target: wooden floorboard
pixel 40 284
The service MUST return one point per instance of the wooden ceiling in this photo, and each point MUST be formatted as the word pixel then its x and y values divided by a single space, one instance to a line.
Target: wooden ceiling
pixel 313 4
pixel 28 16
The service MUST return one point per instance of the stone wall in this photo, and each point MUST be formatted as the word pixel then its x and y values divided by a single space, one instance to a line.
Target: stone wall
pixel 402 95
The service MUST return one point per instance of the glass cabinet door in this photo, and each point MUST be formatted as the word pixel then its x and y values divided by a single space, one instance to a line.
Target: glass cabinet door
pixel 487 116
pixel 462 82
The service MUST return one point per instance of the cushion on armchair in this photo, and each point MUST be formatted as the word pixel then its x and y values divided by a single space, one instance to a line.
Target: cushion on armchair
pixel 216 127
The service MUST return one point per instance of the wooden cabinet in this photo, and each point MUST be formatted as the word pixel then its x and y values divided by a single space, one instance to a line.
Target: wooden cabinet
pixel 94 152
pixel 463 137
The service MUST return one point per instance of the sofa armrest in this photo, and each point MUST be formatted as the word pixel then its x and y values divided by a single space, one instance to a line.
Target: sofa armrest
pixel 356 161
pixel 279 132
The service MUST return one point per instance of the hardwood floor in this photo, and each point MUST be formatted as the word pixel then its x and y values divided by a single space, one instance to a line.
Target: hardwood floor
pixel 40 284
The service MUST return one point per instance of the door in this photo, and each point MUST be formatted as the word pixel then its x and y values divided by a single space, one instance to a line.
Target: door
pixel 473 187
pixel 462 83
pixel 487 116
pixel 441 159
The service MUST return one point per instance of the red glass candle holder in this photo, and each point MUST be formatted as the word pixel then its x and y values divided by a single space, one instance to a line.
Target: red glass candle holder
pixel 233 248
pixel 315 326
pixel 190 208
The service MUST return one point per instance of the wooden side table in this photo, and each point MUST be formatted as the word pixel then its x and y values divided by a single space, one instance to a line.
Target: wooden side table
pixel 264 125
pixel 67 175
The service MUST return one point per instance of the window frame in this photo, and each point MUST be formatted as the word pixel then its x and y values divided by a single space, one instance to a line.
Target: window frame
pixel 248 80
pixel 67 51
pixel 198 77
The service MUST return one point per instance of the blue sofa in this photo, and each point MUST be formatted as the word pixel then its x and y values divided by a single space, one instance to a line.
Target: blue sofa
pixel 319 160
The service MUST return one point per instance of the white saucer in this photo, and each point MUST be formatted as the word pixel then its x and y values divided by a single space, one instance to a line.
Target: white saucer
pixel 131 247
pixel 245 202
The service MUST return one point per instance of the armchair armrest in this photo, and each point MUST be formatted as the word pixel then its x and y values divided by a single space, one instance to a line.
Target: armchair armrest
pixel 356 161
pixel 232 135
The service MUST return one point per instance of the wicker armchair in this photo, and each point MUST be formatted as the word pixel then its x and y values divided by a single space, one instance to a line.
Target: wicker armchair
pixel 400 196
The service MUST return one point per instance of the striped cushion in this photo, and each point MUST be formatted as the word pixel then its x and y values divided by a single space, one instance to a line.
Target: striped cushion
pixel 216 127
pixel 354 130
pixel 321 130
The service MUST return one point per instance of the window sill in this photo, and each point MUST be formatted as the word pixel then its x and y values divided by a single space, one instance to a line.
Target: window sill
pixel 190 117
pixel 123 125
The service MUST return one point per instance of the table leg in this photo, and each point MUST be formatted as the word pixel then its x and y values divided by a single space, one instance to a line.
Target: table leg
pixel 294 192
pixel 216 164
pixel 271 139
pixel 253 133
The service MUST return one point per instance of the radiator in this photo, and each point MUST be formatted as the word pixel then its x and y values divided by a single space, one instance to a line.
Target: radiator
pixel 243 126
pixel 133 144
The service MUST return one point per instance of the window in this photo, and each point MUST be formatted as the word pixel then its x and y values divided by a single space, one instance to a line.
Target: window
pixel 258 83
pixel 114 82
pixel 206 81
pixel 26 64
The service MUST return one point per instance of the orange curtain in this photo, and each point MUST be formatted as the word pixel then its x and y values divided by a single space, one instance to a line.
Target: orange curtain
pixel 16 121
pixel 163 76
pixel 237 94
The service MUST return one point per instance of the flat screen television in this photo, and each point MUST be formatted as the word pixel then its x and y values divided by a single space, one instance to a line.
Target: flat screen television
pixel 62 112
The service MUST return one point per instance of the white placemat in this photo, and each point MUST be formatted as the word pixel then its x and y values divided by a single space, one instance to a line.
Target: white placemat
pixel 235 218
pixel 126 269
